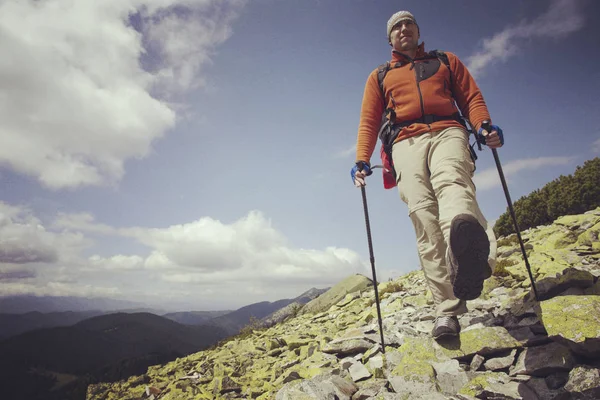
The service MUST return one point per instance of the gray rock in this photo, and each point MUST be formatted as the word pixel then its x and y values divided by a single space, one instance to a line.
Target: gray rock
pixel 494 364
pixel 347 362
pixel 344 347
pixel 522 334
pixel 321 387
pixel 413 388
pixel 359 372
pixel 376 362
pixel 476 363
pixel 557 380
pixel 584 383
pixel 449 376
pixel 508 391
pixel 370 389
pixel 540 387
pixel 424 326
pixel 570 278
pixel 292 376
pixel 543 360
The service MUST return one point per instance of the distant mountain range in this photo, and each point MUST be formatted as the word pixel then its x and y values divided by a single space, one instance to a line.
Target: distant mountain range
pixel 55 355
pixel 233 322
pixel 49 304
pixel 14 324
pixel 194 317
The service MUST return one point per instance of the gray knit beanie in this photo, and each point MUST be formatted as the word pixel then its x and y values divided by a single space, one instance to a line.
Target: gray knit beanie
pixel 399 16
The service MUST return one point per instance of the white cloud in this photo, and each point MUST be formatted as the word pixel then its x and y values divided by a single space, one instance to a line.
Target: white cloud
pixel 57 289
pixel 346 152
pixel 24 240
pixel 248 250
pixel 245 261
pixel 118 262
pixel 562 18
pixel 596 146
pixel 76 102
pixel 84 222
pixel 489 178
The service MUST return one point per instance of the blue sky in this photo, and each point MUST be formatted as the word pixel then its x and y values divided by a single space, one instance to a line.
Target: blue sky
pixel 195 154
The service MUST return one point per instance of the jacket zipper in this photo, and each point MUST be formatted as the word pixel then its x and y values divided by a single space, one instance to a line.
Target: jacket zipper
pixel 420 94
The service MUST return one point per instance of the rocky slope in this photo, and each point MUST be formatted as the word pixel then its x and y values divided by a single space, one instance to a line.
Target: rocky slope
pixel 511 346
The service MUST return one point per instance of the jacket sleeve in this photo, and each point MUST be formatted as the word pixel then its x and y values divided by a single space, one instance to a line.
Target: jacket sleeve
pixel 467 93
pixel 370 118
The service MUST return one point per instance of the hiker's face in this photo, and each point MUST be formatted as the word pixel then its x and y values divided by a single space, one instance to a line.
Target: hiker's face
pixel 405 36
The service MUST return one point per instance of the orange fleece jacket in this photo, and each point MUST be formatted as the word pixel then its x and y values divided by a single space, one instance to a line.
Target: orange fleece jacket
pixel 430 96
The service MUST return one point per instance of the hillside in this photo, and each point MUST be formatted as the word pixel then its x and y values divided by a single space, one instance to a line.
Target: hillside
pixel 194 317
pixel 15 324
pixel 234 321
pixel 110 346
pixel 511 346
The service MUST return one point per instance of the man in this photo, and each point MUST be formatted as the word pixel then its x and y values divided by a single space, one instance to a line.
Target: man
pixel 433 165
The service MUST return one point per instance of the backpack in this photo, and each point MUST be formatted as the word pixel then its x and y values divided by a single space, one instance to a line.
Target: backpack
pixel 389 130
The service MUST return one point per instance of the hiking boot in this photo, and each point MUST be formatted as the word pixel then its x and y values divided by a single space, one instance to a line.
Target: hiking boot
pixel 445 326
pixel 467 257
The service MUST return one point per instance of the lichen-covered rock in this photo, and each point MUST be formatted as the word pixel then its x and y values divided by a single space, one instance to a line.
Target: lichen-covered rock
pixel 574 321
pixel 570 278
pixel 325 387
pixel 485 341
pixel 584 383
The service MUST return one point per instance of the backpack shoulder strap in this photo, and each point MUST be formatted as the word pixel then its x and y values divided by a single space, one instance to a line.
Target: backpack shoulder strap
pixel 443 57
pixel 382 70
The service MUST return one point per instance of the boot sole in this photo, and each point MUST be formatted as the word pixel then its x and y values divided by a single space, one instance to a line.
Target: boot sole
pixel 446 335
pixel 471 247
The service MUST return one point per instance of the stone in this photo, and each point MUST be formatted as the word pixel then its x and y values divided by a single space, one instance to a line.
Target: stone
pixel 370 389
pixel 549 287
pixel 325 387
pixel 414 387
pixel 344 347
pixel 359 372
pixel 476 363
pixel 376 366
pixel 347 362
pixel 229 385
pixel 584 383
pixel 540 387
pixel 574 321
pixel 494 364
pixel 557 380
pixel 543 360
pixel 449 376
pixel 510 390
pixel 487 341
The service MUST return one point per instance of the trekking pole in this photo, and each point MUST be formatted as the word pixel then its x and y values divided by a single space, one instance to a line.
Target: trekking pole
pixel 364 199
pixel 486 126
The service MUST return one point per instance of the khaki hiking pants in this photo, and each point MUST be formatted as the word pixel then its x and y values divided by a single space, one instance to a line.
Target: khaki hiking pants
pixel 434 175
